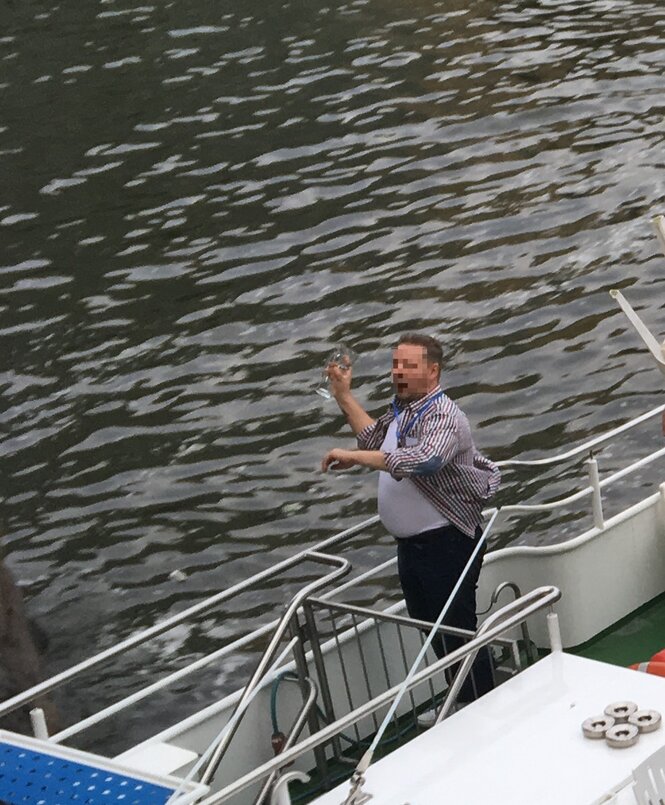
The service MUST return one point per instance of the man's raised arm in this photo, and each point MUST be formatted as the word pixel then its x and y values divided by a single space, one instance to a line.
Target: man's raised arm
pixel 340 386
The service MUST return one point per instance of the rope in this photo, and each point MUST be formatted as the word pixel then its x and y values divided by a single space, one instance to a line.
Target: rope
pixel 366 759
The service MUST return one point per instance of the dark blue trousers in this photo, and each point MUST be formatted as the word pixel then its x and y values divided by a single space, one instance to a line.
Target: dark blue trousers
pixel 429 566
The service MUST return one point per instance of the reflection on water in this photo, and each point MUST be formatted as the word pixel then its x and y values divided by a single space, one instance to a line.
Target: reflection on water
pixel 196 202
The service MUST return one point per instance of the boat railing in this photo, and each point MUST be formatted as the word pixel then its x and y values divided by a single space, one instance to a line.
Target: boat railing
pixel 343 567
pixel 344 641
pixel 209 659
pixel 595 486
pixel 529 646
pixel 294 733
pixel 58 680
pixel 503 622
pixel 361 619
pixel 594 489
pixel 585 448
pixel 493 621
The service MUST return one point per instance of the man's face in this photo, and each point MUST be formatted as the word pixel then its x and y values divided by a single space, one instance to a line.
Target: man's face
pixel 413 376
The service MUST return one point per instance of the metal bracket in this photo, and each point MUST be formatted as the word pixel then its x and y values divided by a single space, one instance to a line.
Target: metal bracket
pixel 280 792
pixel 356 795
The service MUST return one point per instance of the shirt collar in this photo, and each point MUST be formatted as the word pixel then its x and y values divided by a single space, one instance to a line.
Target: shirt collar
pixel 415 405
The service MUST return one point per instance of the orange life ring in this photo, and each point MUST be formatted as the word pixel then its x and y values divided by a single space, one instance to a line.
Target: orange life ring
pixel 656 665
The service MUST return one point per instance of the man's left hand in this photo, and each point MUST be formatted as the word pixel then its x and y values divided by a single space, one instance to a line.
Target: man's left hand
pixel 338 459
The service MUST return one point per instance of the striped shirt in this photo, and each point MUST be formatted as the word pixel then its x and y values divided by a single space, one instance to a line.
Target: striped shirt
pixel 442 462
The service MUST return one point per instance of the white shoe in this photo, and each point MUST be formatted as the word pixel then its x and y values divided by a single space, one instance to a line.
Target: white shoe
pixel 428 718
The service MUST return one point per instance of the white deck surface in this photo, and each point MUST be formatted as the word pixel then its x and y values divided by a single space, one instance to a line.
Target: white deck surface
pixel 522 743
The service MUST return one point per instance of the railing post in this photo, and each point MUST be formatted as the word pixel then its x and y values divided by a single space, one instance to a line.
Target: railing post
pixel 554 632
pixel 297 630
pixel 38 720
pixel 596 500
pixel 343 567
pixel 321 673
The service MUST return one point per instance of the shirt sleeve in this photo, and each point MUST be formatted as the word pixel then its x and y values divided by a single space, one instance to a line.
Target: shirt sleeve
pixel 372 436
pixel 492 471
pixel 438 444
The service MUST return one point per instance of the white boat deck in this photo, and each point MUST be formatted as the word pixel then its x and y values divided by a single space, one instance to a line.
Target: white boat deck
pixel 522 743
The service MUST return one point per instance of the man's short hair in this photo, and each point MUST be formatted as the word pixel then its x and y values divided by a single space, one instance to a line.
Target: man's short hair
pixel 432 347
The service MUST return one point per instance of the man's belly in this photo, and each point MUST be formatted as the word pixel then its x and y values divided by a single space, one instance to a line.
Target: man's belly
pixel 404 510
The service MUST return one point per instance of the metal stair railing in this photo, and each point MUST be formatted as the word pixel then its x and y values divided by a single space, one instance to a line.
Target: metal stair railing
pixel 371 620
pixel 295 731
pixel 531 653
pixel 492 621
pixel 344 566
pixel 535 601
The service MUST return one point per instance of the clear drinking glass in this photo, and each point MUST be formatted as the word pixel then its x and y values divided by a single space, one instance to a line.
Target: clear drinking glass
pixel 344 358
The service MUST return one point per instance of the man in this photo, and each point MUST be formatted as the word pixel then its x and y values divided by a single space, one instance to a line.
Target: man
pixel 433 484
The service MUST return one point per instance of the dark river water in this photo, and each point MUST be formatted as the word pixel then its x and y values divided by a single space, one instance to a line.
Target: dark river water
pixel 198 200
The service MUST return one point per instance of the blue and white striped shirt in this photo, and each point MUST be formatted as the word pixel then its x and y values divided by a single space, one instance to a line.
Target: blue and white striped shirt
pixel 443 462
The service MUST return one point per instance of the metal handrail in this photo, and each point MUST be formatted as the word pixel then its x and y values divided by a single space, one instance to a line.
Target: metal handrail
pixel 492 621
pixel 532 602
pixel 587 447
pixel 295 731
pixel 494 598
pixel 203 759
pixel 586 491
pixel 400 620
pixel 164 626
pixel 526 637
pixel 553 504
pixel 619 474
pixel 344 566
pixel 155 687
